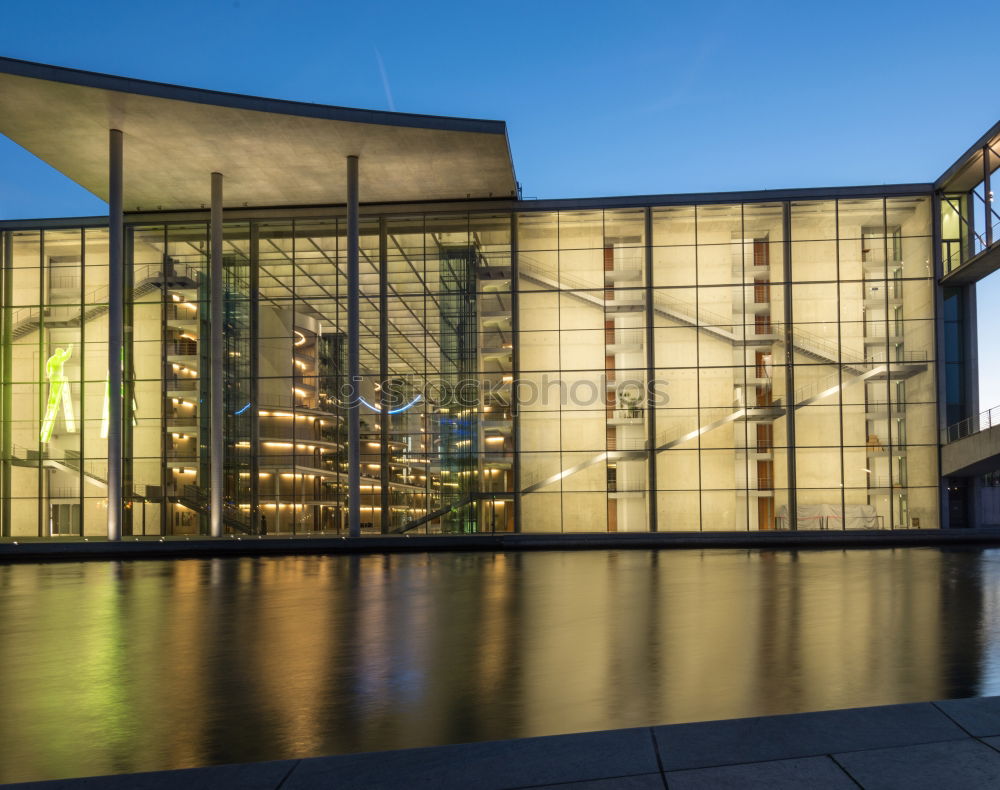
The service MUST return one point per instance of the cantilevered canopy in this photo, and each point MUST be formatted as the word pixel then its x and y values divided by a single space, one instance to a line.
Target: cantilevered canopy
pixel 968 168
pixel 271 152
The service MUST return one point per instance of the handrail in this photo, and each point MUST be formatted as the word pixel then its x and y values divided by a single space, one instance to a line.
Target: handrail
pixel 971 425
pixel 96 297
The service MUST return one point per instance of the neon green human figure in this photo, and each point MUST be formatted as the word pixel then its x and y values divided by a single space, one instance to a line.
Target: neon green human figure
pixel 59 392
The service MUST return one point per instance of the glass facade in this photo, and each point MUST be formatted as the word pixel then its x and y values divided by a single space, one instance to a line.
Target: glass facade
pixel 747 366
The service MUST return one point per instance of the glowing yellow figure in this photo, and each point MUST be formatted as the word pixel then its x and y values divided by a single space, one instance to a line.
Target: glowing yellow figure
pixel 59 391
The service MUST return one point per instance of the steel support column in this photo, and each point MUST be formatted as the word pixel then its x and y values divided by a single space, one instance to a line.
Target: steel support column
pixel 257 522
pixel 116 315
pixel 385 405
pixel 217 352
pixel 986 196
pixel 786 247
pixel 353 355
pixel 515 333
pixel 650 399
pixel 5 386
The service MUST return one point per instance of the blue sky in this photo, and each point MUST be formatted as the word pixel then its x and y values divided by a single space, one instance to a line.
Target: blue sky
pixel 600 98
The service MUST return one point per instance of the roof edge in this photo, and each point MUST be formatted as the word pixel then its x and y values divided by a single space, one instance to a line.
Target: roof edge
pixel 163 90
pixel 507 204
pixel 745 196
pixel 962 162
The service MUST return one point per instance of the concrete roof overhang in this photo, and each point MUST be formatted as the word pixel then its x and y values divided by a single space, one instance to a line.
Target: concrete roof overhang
pixel 271 152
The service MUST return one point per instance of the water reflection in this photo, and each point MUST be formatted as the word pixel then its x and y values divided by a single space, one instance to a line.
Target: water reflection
pixel 112 667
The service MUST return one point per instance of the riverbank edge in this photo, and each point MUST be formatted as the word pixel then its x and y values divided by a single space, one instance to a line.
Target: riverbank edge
pixel 950 743
pixel 54 549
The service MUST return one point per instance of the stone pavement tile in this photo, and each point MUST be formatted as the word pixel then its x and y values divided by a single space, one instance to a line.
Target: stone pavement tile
pixel 979 715
pixel 954 765
pixel 247 776
pixel 994 742
pixel 497 765
pixel 705 744
pixel 816 773
pixel 640 782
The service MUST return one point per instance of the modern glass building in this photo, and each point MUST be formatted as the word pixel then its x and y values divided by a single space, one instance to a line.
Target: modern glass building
pixel 310 320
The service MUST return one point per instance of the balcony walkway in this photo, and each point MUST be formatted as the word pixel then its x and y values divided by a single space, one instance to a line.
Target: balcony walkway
pixel 934 745
pixel 981 265
pixel 971 447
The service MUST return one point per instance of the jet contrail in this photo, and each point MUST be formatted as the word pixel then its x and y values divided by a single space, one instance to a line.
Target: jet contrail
pixel 385 80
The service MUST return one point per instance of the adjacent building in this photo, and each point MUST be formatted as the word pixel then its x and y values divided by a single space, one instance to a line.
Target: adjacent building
pixel 312 320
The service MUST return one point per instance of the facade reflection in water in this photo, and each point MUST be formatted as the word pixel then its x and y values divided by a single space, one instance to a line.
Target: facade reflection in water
pixel 186 663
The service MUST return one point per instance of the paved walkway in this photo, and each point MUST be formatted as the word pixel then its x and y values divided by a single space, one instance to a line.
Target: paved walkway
pixel 950 745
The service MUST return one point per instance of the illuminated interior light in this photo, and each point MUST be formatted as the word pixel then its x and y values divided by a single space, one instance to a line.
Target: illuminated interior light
pixel 300 339
pixel 412 403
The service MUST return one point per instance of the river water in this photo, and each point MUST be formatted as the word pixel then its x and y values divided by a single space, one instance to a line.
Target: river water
pixel 109 667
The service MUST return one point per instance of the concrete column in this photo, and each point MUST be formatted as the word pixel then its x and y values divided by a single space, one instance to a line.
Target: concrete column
pixel 353 355
pixel 116 313
pixel 217 351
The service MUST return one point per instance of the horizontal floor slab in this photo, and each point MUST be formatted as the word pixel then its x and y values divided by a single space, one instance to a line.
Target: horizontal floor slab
pixel 40 549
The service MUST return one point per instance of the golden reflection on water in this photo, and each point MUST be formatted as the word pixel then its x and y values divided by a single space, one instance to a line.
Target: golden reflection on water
pixel 115 667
